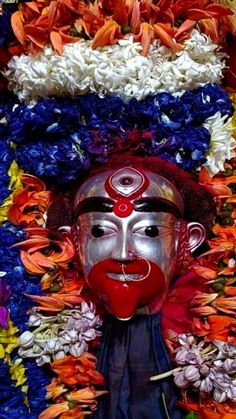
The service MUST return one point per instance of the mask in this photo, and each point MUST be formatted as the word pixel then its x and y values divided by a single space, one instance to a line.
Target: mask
pixel 128 225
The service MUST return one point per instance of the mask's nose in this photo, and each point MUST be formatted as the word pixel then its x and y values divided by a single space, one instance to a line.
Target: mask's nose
pixel 123 250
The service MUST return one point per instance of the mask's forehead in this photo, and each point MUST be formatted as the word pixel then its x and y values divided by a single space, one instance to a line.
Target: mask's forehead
pixel 129 182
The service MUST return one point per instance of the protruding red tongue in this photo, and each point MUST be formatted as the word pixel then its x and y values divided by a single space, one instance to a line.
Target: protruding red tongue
pixel 123 299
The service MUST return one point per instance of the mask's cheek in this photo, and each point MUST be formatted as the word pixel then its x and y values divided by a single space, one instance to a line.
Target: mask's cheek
pixel 94 250
pixel 161 250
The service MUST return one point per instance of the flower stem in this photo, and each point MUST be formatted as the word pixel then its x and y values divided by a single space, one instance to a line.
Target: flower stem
pixel 164 374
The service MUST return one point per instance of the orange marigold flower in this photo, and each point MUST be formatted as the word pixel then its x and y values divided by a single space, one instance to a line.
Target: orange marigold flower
pixel 85 396
pixel 217 327
pixel 203 299
pixel 216 186
pixel 76 413
pixel 30 203
pixel 225 232
pixel 55 389
pixel 78 370
pixel 210 409
pixel 107 21
pixel 54 411
pixel 62 281
pixel 56 302
pixel 225 304
pixel 40 253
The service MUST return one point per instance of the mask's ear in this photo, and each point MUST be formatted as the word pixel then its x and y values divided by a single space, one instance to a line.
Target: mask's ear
pixel 74 235
pixel 191 236
pixel 196 236
pixel 67 229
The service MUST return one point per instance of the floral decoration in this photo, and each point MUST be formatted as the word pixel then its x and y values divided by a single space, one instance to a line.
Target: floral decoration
pixel 40 23
pixel 116 70
pixel 140 75
pixel 58 138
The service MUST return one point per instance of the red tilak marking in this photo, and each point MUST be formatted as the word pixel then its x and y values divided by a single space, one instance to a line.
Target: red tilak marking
pixel 124 207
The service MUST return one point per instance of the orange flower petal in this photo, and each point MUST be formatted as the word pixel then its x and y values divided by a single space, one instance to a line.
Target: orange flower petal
pixel 186 26
pixel 37 36
pixel 18 27
pixel 145 36
pixel 56 41
pixel 54 411
pixel 107 34
pixel 203 311
pixel 225 304
pixel 135 21
pixel 165 38
pixel 55 389
pixel 205 272
pixel 120 13
pixel 30 266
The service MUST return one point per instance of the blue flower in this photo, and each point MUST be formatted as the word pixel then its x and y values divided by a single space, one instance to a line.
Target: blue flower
pixel 62 160
pixel 6 33
pixel 11 397
pixel 206 101
pixel 58 138
pixel 16 276
pixel 185 148
pixel 37 379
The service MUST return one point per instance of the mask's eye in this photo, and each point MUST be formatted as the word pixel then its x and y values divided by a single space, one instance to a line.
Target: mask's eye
pixel 98 231
pixel 150 231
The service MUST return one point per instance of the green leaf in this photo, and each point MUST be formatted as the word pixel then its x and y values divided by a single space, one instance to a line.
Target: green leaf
pixel 191 415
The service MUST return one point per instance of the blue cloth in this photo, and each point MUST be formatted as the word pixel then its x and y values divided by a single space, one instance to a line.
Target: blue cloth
pixel 130 353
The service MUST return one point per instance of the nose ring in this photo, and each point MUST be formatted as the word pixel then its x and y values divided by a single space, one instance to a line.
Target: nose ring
pixel 142 277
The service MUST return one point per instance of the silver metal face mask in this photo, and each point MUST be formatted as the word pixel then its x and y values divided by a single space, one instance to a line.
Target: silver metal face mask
pixel 128 232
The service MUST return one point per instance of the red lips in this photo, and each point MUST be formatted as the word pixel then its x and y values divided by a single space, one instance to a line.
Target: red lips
pixel 123 298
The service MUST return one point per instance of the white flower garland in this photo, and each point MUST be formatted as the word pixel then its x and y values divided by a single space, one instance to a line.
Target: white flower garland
pixel 116 70
pixel 67 332
pixel 223 144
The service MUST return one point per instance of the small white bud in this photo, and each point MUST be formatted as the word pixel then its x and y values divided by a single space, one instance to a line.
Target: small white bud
pixel 26 340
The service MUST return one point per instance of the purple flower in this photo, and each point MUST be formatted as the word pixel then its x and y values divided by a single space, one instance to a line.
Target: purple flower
pixel 191 373
pixel 180 380
pixel 5 291
pixel 206 385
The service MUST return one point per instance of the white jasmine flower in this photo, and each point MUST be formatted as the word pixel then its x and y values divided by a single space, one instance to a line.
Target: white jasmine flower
pixel 222 143
pixel 115 69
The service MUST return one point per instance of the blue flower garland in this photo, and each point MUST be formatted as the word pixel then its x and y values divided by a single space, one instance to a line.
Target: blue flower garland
pixel 18 305
pixel 58 138
pixel 7 153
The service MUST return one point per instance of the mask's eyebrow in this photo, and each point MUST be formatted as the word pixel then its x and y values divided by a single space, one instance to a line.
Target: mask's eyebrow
pixel 102 204
pixel 95 204
pixel 157 205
